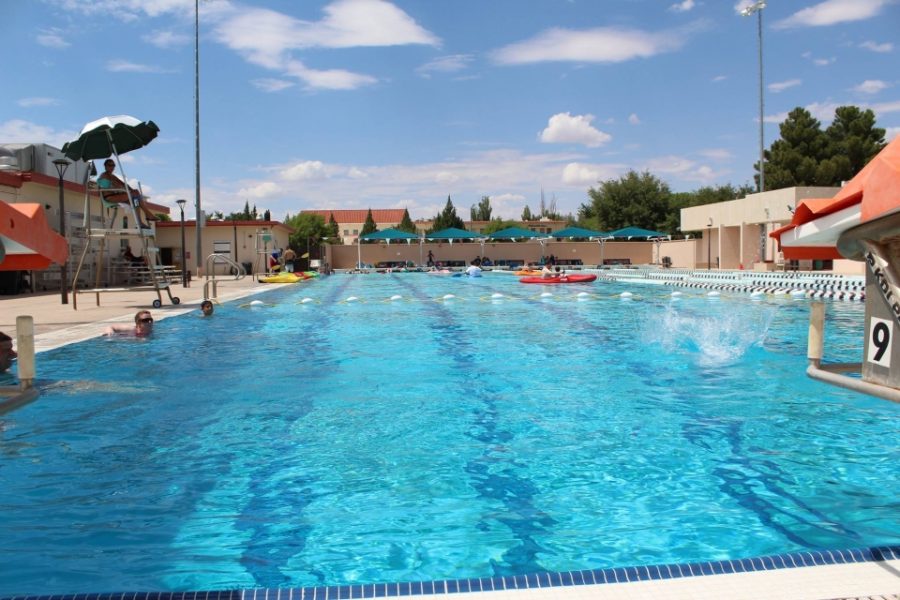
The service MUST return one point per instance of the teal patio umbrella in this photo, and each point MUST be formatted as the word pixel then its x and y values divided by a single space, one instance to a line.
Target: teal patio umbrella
pixel 636 233
pixel 388 235
pixel 110 136
pixel 578 232
pixel 452 233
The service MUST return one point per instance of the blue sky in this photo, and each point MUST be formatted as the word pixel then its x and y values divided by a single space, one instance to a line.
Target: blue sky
pixel 393 104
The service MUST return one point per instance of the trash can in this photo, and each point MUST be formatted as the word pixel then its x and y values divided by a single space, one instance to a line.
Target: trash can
pixel 248 267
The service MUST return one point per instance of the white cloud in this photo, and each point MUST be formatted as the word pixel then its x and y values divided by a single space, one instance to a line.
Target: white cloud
pixel 719 78
pixel 38 101
pixel 124 66
pixel 584 174
pixel 684 6
pixel 563 128
pixel 264 189
pixel 870 86
pixel 52 38
pixel 267 38
pixel 633 119
pixel 18 131
pixel 166 39
pixel 445 64
pixel 833 12
pixel 603 44
pixel 683 168
pixel 876 47
pixel 885 108
pixel 271 85
pixel 780 86
pixel 891 133
pixel 310 169
pixel 823 62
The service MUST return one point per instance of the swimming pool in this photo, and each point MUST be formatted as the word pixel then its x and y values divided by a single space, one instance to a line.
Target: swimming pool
pixel 332 442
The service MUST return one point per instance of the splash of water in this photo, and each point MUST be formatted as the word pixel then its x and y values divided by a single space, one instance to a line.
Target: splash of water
pixel 717 335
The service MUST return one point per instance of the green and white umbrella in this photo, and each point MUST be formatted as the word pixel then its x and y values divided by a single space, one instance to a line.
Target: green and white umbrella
pixel 110 136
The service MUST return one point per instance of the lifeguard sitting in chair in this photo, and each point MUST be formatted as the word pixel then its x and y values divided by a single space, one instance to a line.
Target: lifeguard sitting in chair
pixel 108 181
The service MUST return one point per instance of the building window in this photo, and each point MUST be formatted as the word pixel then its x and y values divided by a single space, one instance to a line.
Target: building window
pixel 356 232
pixel 346 232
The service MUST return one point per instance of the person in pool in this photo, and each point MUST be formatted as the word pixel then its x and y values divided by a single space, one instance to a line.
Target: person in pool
pixel 143 326
pixel 7 354
pixel 206 307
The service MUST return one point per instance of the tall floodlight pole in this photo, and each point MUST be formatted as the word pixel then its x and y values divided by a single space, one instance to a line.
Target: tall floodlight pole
pixel 757 7
pixel 197 131
pixel 61 165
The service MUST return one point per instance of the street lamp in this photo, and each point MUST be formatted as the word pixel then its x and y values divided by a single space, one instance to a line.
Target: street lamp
pixel 181 202
pixel 61 165
pixel 757 7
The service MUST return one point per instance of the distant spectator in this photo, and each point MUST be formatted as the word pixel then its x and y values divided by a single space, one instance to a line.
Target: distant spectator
pixel 130 257
pixel 430 259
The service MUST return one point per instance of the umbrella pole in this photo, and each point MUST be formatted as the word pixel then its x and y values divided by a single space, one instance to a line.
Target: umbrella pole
pixel 358 255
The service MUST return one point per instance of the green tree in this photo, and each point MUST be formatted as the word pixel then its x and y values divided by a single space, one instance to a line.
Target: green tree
pixel 406 223
pixel 482 210
pixel 447 218
pixel 639 200
pixel 853 140
pixel 369 226
pixel 526 214
pixel 308 228
pixel 794 159
pixel 499 224
pixel 334 234
pixel 267 216
pixel 704 195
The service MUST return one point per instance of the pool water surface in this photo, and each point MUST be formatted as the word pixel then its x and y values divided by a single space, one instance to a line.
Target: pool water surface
pixel 332 435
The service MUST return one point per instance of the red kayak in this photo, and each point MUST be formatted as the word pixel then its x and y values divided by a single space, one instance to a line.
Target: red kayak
pixel 559 279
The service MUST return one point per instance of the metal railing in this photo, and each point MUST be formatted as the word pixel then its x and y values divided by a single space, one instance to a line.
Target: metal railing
pixel 238 272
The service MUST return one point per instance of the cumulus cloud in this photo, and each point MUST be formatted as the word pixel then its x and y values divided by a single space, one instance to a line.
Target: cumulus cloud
pixel 876 47
pixel 37 101
pixel 684 168
pixel 166 39
pixel 564 128
pixel 833 12
pixel 599 45
pixel 124 66
pixel 263 189
pixel 870 86
pixel 268 38
pixel 716 154
pixel 271 85
pixel 445 64
pixel 18 131
pixel 780 86
pixel 633 119
pixel 310 169
pixel 891 133
pixel 684 6
pixel 52 38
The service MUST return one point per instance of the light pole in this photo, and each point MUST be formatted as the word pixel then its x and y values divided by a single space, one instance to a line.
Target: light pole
pixel 61 165
pixel 757 7
pixel 197 131
pixel 181 202
pixel 709 244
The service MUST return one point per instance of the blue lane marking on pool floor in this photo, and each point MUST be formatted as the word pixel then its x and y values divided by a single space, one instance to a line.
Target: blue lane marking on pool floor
pixel 536 580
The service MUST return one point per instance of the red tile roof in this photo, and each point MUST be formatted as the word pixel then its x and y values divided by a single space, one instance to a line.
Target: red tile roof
pixel 381 215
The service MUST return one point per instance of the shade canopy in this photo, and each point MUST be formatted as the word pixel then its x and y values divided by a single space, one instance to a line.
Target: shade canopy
pixel 27 240
pixel 636 233
pixel 578 232
pixel 388 235
pixel 515 233
pixel 110 135
pixel 818 224
pixel 452 233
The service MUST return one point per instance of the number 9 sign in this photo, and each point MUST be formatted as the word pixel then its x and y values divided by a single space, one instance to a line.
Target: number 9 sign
pixel 880 336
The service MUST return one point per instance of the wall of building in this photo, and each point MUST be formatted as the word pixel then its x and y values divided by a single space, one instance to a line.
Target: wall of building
pixel 245 243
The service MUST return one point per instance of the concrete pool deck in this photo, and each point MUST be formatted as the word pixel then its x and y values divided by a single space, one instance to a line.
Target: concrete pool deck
pixel 57 325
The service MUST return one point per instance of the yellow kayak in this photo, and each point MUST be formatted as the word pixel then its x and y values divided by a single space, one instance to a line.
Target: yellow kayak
pixel 528 273
pixel 283 278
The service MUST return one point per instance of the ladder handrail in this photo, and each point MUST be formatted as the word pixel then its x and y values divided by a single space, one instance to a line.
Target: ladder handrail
pixel 214 258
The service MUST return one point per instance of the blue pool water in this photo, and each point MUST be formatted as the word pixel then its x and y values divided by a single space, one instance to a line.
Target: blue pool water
pixel 332 442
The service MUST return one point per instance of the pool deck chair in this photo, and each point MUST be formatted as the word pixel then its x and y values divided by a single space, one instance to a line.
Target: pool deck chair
pixel 157 279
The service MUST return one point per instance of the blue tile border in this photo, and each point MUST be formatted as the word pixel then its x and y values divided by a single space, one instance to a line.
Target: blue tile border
pixel 545 579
